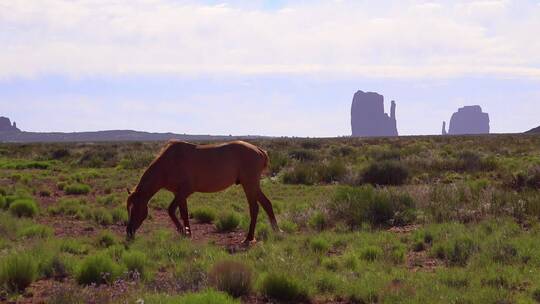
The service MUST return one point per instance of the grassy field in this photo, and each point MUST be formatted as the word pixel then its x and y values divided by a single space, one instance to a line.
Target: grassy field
pixel 404 220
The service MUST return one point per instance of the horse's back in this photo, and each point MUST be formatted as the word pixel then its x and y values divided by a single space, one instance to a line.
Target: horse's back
pixel 210 168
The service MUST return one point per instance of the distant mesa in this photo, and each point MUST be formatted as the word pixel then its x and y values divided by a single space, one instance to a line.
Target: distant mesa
pixel 10 133
pixel 468 120
pixel 534 131
pixel 6 126
pixel 368 118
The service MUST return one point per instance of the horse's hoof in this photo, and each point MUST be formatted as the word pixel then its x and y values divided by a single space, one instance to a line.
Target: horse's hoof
pixel 248 242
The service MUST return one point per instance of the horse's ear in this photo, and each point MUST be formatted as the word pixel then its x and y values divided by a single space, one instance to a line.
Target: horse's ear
pixel 128 191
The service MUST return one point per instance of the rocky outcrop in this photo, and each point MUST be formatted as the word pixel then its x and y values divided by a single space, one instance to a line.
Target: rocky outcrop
pixel 444 128
pixel 6 126
pixel 368 117
pixel 533 131
pixel 469 120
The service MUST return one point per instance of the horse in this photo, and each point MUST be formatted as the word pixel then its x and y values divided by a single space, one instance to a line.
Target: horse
pixel 184 168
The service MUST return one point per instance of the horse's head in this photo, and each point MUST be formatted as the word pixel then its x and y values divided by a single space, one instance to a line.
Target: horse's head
pixel 137 208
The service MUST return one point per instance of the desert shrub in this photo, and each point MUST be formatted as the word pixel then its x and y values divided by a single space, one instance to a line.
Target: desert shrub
pixel 334 171
pixel 35 231
pixel 61 185
pixel 23 207
pixel 72 207
pixel 136 262
pixel 98 269
pixel 319 245
pixel 278 161
pixel 419 246
pixel 282 287
pixel 106 239
pixel 108 200
pixel 360 294
pixel 231 277
pixel 102 216
pixel 262 232
pixel 500 279
pixel 383 153
pixel 60 153
pixel 403 208
pixel 536 295
pixel 456 252
pixel 357 205
pixel 288 226
pixel 228 222
pixel 342 151
pixel 25 164
pixel 119 215
pixel 469 161
pixel 191 275
pixel 105 157
pixel 204 297
pixel 533 180
pixel 53 266
pixel 318 221
pixel 303 155
pixel 77 189
pixel 18 272
pixel 386 173
pixel 503 252
pixel 74 247
pixel 454 279
pixel 530 178
pixel 303 173
pixel 398 254
pixel 371 253
pixel 136 161
pixel 311 144
pixel 204 215
pixel 327 283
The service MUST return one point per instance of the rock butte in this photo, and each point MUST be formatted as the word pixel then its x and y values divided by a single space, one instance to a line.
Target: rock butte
pixel 6 126
pixel 468 120
pixel 368 117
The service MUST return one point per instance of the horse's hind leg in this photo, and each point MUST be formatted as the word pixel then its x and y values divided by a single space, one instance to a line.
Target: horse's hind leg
pixel 251 195
pixel 267 206
pixel 172 213
pixel 182 204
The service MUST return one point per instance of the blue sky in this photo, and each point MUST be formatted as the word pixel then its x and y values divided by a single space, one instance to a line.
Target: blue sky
pixel 265 67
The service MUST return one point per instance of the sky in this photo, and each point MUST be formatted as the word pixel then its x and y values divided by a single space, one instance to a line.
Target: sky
pixel 278 68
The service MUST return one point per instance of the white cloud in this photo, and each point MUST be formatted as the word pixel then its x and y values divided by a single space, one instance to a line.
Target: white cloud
pixel 390 39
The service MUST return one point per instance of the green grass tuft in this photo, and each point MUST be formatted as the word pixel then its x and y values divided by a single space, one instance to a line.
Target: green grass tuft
pixel 231 277
pixel 18 272
pixel 136 263
pixel 23 208
pixel 77 189
pixel 204 215
pixel 228 222
pixel 97 269
pixel 283 287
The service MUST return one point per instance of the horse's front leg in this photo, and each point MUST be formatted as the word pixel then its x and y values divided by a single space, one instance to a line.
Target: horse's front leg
pixel 172 213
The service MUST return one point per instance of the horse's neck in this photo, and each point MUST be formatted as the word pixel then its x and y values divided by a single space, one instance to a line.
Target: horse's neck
pixel 150 183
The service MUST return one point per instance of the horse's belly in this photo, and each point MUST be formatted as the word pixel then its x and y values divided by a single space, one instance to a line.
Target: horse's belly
pixel 214 182
pixel 206 187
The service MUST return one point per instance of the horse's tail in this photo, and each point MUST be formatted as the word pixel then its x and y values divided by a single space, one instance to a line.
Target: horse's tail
pixel 266 160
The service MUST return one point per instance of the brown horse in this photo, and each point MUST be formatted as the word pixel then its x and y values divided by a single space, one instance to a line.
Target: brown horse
pixel 185 168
